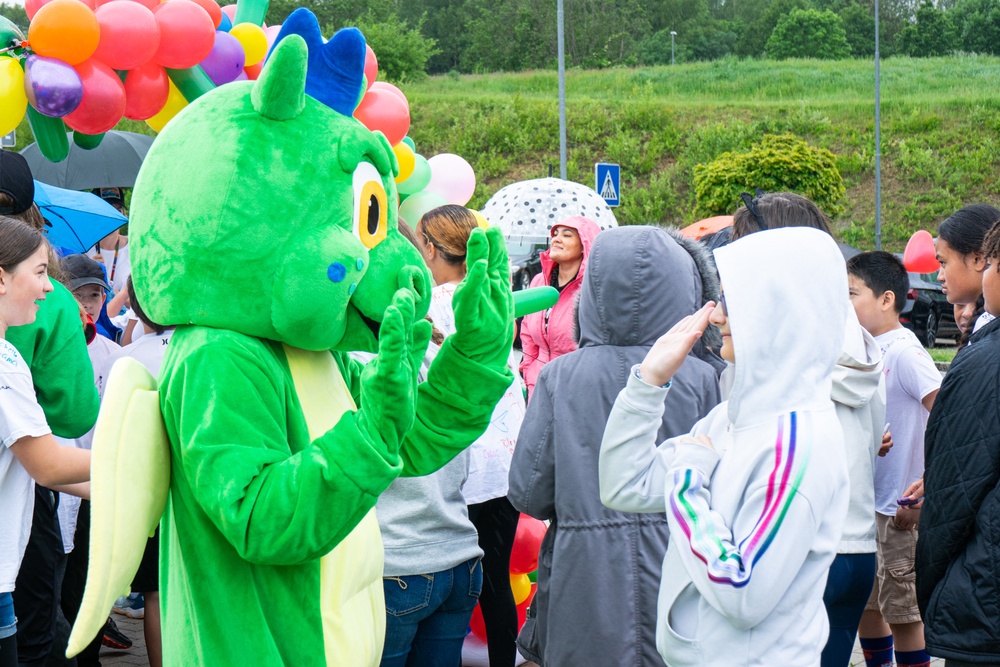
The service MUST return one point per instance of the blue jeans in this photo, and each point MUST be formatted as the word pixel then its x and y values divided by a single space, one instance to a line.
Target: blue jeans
pixel 8 623
pixel 427 616
pixel 848 587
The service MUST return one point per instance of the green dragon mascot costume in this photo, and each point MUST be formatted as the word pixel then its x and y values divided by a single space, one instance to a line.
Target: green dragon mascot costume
pixel 264 226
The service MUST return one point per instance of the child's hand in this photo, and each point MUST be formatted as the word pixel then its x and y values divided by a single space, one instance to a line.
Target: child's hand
pixel 669 351
pixel 702 440
pixel 906 518
pixel 886 443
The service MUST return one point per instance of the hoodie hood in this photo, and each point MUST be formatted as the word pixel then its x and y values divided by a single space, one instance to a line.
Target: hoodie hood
pixel 785 297
pixel 641 282
pixel 588 231
pixel 859 369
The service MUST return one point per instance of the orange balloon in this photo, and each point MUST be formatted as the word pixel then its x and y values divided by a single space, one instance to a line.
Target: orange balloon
pixel 253 71
pixel 65 29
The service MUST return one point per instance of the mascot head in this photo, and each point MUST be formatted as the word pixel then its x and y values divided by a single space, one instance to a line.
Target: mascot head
pixel 262 210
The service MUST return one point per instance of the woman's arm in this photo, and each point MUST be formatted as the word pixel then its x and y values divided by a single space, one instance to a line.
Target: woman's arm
pixel 51 464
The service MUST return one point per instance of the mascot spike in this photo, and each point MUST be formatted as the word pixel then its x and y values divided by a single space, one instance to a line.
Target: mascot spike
pixel 337 68
pixel 279 94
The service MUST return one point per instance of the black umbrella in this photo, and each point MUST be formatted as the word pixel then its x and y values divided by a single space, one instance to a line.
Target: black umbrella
pixel 113 164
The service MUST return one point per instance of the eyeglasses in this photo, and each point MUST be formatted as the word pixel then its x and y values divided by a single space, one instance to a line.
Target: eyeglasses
pixel 751 204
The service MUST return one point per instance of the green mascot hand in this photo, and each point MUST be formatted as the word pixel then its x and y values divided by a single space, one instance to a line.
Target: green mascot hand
pixel 483 302
pixel 389 382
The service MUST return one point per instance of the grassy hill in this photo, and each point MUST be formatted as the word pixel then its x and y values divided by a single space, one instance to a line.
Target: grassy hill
pixel 940 131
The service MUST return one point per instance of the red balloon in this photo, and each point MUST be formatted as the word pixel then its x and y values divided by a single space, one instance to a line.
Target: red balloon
pixel 146 90
pixel 477 623
pixel 103 99
pixel 253 71
pixel 527 542
pixel 382 85
pixel 383 111
pixel 129 34
pixel 371 67
pixel 187 34
pixel 919 256
pixel 213 9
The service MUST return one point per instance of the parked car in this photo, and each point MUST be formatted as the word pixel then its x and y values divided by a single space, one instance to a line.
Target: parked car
pixel 525 259
pixel 927 312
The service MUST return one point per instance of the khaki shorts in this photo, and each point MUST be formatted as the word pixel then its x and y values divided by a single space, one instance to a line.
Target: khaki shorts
pixel 895 593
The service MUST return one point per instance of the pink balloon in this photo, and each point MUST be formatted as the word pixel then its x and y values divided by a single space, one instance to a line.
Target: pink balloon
pixel 383 85
pixel 187 34
pixel 371 67
pixel 271 32
pixel 383 111
pixel 31 7
pixel 230 11
pixel 130 35
pixel 148 4
pixel 452 177
pixel 919 256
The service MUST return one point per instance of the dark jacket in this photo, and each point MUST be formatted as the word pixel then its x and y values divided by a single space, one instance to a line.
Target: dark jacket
pixel 958 551
pixel 599 570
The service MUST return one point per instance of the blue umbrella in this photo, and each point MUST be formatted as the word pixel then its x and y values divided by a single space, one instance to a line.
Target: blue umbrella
pixel 75 220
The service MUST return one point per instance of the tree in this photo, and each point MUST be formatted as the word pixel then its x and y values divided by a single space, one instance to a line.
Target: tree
pixel 16 15
pixel 807 33
pixel 932 35
pixel 978 24
pixel 758 27
pixel 402 51
pixel 859 24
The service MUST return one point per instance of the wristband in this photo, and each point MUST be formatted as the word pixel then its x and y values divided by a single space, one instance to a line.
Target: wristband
pixel 635 370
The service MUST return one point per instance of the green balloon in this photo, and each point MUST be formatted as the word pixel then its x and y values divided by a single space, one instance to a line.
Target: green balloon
pixel 250 11
pixel 50 135
pixel 533 576
pixel 409 142
pixel 419 179
pixel 416 205
pixel 9 33
pixel 87 141
pixel 192 82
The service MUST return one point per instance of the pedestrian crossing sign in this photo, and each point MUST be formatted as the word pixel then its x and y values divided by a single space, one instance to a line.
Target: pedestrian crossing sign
pixel 607 182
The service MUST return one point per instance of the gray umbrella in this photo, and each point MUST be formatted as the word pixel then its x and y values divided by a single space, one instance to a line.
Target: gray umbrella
pixel 113 164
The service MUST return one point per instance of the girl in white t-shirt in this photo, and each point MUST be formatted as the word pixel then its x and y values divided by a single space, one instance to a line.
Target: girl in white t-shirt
pixel 28 450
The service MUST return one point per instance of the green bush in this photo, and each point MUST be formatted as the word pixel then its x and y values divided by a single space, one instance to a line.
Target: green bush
pixel 402 51
pixel 778 163
pixel 807 33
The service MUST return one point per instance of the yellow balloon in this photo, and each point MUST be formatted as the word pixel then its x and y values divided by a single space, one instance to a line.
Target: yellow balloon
pixel 520 586
pixel 480 219
pixel 253 39
pixel 406 159
pixel 175 102
pixel 13 101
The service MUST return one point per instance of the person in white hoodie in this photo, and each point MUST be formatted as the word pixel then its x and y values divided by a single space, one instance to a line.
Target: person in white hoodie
pixel 756 495
pixel 859 396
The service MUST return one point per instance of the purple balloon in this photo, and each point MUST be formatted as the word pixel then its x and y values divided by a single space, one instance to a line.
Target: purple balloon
pixel 226 60
pixel 53 87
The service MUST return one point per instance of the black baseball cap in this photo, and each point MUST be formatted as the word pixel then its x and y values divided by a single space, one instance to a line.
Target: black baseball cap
pixel 16 182
pixel 111 195
pixel 81 270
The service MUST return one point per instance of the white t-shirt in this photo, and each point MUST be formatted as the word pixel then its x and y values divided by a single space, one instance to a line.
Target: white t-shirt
pixel 118 270
pixel 100 350
pixel 20 416
pixel 490 455
pixel 910 375
pixel 148 351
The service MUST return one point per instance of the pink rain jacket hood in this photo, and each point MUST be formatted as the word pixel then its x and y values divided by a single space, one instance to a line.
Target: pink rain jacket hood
pixel 541 342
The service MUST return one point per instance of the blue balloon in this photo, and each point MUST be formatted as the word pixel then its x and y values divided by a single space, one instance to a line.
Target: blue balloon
pixel 226 24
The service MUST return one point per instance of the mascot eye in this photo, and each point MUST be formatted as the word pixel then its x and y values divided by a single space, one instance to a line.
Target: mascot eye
pixel 371 213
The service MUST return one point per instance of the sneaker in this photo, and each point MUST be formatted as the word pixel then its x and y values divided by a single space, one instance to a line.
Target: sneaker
pixel 115 638
pixel 132 606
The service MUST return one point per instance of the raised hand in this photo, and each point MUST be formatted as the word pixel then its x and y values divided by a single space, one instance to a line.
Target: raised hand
pixel 670 349
pixel 483 302
pixel 389 382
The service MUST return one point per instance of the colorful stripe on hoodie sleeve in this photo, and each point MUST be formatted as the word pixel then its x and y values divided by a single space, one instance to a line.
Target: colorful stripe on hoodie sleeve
pixel 726 562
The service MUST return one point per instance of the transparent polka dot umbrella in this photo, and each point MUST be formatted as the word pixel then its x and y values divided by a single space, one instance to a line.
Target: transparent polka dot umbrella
pixel 530 209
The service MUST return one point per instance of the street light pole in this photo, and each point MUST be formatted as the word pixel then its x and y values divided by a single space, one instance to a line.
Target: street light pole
pixel 672 33
pixel 562 89
pixel 878 143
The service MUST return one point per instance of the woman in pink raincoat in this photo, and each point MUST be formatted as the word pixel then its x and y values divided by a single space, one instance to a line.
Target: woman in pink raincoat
pixel 548 334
